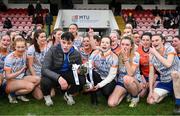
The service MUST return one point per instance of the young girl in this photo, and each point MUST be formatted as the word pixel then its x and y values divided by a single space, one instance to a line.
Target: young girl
pixel 105 69
pixel 15 67
pixel 5 42
pixel 129 77
pixel 164 60
pixel 35 55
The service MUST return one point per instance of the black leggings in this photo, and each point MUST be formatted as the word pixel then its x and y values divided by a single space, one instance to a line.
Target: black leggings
pixel 107 89
pixel 47 84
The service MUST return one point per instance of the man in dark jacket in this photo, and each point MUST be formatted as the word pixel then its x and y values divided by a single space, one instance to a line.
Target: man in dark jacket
pixel 57 70
pixel 30 9
pixel 38 7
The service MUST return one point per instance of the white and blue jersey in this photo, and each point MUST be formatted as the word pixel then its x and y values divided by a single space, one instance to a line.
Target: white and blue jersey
pixel 77 43
pixel 103 62
pixel 15 63
pixel 2 59
pixel 38 58
pixel 165 72
pixel 122 71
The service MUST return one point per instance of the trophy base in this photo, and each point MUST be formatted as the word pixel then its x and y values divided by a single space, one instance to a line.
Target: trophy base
pixel 88 86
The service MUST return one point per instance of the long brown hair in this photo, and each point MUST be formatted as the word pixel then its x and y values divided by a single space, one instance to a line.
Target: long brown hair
pixel 36 35
pixel 53 34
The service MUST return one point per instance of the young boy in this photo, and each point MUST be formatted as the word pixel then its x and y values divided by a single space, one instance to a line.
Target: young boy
pixel 57 70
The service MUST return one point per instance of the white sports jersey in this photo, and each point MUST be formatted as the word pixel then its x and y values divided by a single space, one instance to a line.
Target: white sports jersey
pixel 38 58
pixel 165 73
pixel 15 63
pixel 103 62
pixel 122 71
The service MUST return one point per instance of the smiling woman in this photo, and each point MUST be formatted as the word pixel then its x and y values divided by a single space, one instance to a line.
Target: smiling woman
pixel 35 56
pixel 105 64
pixel 86 49
pixel 15 67
pixel 129 78
pixel 176 76
pixel 163 58
pixel 4 51
pixel 143 50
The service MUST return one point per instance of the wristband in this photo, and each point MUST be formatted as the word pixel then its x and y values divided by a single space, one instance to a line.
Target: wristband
pixel 59 77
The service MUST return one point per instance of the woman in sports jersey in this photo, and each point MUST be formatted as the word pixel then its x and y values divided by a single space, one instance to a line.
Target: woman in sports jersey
pixel 5 42
pixel 86 49
pixel 35 56
pixel 88 46
pixel 115 47
pixel 15 67
pixel 176 76
pixel 162 58
pixel 73 28
pixel 56 36
pixel 105 64
pixel 176 45
pixel 129 77
pixel 143 51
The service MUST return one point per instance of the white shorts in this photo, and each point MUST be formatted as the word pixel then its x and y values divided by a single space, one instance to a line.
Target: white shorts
pixel 161 92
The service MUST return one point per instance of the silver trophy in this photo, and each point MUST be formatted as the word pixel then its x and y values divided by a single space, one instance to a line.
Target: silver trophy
pixel 89 84
pixel 75 73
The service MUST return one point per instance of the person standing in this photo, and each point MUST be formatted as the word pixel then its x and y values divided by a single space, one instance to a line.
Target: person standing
pixel 30 9
pixel 38 7
pixel 7 23
pixel 48 21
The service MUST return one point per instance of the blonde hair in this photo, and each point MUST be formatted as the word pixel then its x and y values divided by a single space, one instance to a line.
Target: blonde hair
pixel 19 39
pixel 132 51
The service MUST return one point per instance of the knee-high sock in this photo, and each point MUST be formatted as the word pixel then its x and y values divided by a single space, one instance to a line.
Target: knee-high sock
pixel 176 87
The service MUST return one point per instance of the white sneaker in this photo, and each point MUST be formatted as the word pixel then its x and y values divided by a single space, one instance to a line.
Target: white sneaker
pixel 23 98
pixel 134 102
pixel 69 99
pixel 12 100
pixel 48 100
pixel 128 98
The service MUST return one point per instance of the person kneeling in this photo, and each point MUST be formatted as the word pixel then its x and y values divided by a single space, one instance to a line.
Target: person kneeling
pixel 17 83
pixel 57 70
pixel 105 64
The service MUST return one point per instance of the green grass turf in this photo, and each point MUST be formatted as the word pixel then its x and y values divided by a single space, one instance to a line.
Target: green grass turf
pixel 84 107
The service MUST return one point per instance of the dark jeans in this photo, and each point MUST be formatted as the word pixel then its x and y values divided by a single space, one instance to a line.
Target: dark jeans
pixel 47 84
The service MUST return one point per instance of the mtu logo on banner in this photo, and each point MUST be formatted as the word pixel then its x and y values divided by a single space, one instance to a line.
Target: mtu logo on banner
pixel 80 18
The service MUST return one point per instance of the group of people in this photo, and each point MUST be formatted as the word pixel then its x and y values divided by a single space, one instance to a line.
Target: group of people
pixel 168 19
pixel 123 66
